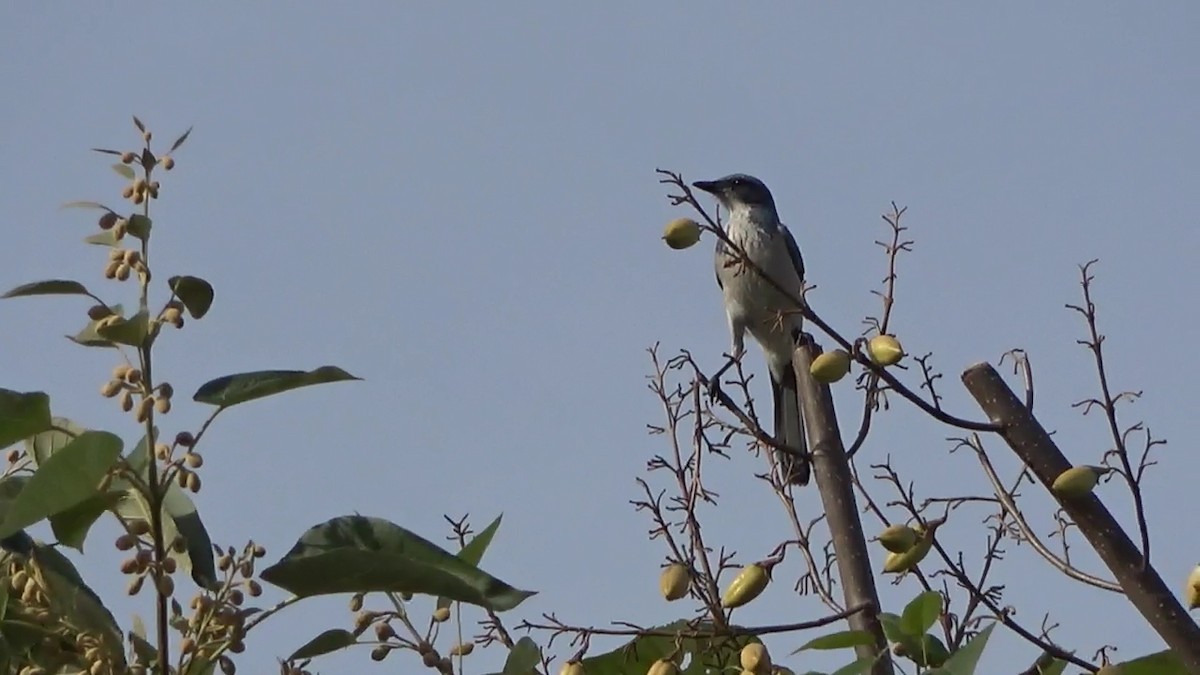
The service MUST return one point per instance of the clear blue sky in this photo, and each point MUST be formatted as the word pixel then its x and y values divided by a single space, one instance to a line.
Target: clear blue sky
pixel 458 203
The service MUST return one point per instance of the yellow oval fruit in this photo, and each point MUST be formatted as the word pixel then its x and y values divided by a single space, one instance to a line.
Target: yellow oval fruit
pixel 755 658
pixel 674 582
pixel 897 563
pixel 746 586
pixel 830 366
pixel 885 350
pixel 441 614
pixel 572 668
pixel 898 538
pixel 1192 591
pixel 663 667
pixel 1077 481
pixel 681 233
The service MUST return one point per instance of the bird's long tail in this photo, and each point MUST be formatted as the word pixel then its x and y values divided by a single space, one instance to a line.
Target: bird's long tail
pixel 789 429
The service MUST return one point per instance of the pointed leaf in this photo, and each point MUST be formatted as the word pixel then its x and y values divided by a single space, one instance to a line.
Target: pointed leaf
pixel 69 477
pixel 920 614
pixel 858 667
pixel 103 238
pixel 139 226
pixel 131 331
pixel 1158 663
pixel 22 415
pixel 473 552
pixel 48 287
pixel 86 205
pixel 138 123
pixel 124 170
pixel 88 337
pixel 70 596
pixel 325 643
pixel 231 390
pixel 106 151
pixel 523 658
pixel 964 661
pixel 179 141
pixel 182 518
pixel 354 554
pixel 145 652
pixel 840 640
pixel 195 293
pixel 61 432
pixel 70 527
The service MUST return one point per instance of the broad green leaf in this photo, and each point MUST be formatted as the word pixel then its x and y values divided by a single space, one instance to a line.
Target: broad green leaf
pixel 47 287
pixel 840 640
pixel 22 415
pixel 473 551
pixel 88 337
pixel 231 390
pixel 354 554
pixel 709 655
pixel 69 477
pixel 964 661
pixel 920 614
pixel 858 667
pixel 325 643
pixel 182 518
pixel 1158 663
pixel 1053 666
pixel 61 432
pixel 70 596
pixel 124 170
pixel 131 331
pixel 139 226
pixel 70 527
pixel 523 658
pixel 195 293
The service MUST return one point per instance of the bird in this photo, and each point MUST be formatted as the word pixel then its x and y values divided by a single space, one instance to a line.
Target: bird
pixel 753 305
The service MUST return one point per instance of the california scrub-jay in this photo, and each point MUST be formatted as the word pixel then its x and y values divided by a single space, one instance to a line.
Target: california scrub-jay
pixel 752 304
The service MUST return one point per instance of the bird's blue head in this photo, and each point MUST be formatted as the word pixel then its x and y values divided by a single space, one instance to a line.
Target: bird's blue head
pixel 738 190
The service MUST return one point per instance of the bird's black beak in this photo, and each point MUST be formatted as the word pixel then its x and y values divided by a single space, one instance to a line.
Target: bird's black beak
pixel 710 186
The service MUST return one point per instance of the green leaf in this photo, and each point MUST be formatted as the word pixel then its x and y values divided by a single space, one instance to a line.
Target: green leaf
pixel 325 643
pixel 840 640
pixel 70 596
pixel 142 648
pixel 86 205
pixel 69 477
pixel 231 390
pixel 1158 663
pixel 48 287
pixel 131 331
pixel 103 238
pixel 182 518
pixel 964 661
pixel 1049 665
pixel 858 667
pixel 353 554
pixel 22 415
pixel 71 526
pixel 139 226
pixel 195 293
pixel 473 551
pixel 709 655
pixel 179 141
pixel 61 432
pixel 88 337
pixel 124 170
pixel 920 614
pixel 523 658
